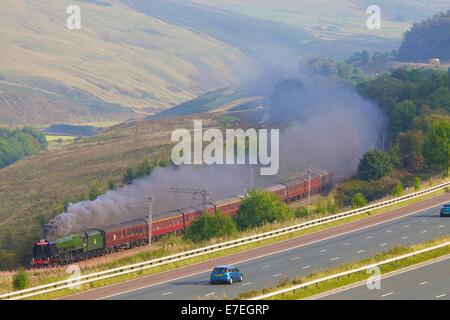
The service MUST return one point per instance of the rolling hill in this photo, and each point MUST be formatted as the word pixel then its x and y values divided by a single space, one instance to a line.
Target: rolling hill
pixel 120 58
pixel 133 58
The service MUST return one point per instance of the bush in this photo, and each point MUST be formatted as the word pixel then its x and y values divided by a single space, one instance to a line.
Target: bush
pixel 20 280
pixel 346 190
pixel 417 183
pixel 301 212
pixel 94 191
pixel 398 189
pixel 358 201
pixel 374 165
pixel 211 226
pixel 261 207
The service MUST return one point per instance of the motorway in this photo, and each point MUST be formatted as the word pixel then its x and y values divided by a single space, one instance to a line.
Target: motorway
pixel 429 281
pixel 268 265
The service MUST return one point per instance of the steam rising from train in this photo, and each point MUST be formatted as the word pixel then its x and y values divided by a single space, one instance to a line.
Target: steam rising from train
pixel 132 202
pixel 330 126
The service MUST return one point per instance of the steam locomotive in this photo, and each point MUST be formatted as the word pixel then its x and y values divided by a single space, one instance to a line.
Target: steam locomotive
pixel 95 242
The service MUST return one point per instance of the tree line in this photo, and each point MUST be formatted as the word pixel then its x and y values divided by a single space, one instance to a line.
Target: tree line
pixel 19 143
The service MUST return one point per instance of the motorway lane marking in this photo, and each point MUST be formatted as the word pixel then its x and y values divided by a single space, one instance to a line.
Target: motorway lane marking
pixel 441 296
pixel 277 275
pixel 167 293
pixel 209 294
pixel 441 226
pixel 295 258
pixel 424 231
pixel 424 220
pixel 405 237
pixel 422 283
pixel 387 294
pixel 383 244
pixel 361 251
pixel 246 284
pixel 288 249
pixel 347 244
pixel 203 283
pixel 323 250
pixel 407 225
pixel 389 231
pixel 334 259
pixel 306 267
pixel 266 266
pixel 385 276
pixel 369 237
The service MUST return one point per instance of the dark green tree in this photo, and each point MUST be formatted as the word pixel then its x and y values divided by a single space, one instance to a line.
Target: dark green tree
pixel 211 226
pixel 411 144
pixel 358 200
pixel 436 149
pixel 94 190
pixel 21 280
pixel 374 165
pixel 402 116
pixel 261 207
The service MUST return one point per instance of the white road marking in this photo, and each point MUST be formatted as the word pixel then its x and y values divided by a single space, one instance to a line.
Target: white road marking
pixel 306 267
pixel 167 293
pixel 334 259
pixel 422 283
pixel 280 251
pixel 323 250
pixel 387 294
pixel 441 296
pixel 347 244
pixel 389 231
pixel 295 258
pixel 361 251
pixel 266 266
pixel 369 237
pixel 424 220
pixel 246 284
pixel 383 244
pixel 277 275
pixel 209 294
pixel 405 237
pixel 203 283
pixel 424 231
pixel 407 225
pixel 441 226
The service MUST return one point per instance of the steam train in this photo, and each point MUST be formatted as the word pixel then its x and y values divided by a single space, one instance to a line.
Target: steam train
pixel 95 242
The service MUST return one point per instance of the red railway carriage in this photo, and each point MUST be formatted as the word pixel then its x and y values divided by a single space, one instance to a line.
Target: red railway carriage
pixel 296 189
pixel 228 207
pixel 193 213
pixel 170 222
pixel 279 189
pixel 126 235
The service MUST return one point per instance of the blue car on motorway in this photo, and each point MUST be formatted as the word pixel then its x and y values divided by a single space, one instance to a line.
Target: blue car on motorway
pixel 226 274
pixel 445 210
